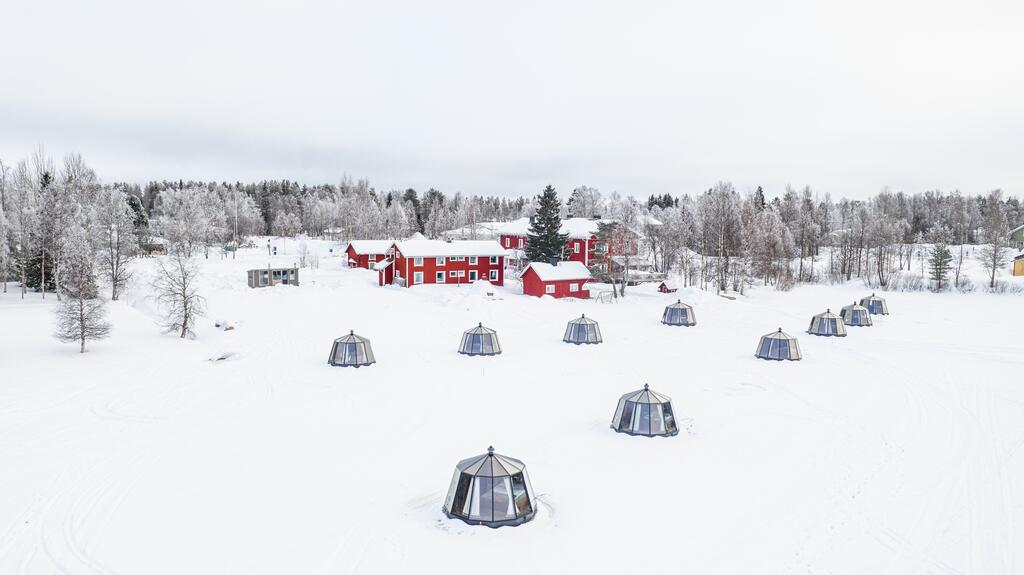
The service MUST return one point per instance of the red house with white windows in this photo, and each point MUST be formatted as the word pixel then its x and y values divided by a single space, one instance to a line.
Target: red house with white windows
pixel 416 262
pixel 566 279
pixel 581 246
pixel 365 253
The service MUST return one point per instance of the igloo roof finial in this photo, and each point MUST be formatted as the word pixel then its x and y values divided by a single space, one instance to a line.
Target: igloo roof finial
pixel 490 450
pixel 780 330
pixel 351 332
pixel 646 387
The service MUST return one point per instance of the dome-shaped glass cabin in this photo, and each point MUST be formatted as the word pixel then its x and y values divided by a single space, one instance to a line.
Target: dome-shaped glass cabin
pixel 480 341
pixel 678 314
pixel 827 324
pixel 645 412
pixel 351 351
pixel 491 490
pixel 582 330
pixel 779 346
pixel 856 315
pixel 875 305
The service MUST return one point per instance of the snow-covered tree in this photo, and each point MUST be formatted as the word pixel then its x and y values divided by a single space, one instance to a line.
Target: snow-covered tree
pixel 116 237
pixel 995 236
pixel 81 314
pixel 177 292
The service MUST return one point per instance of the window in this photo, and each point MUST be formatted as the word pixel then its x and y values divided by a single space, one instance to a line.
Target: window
pixel 494 275
pixel 417 277
pixel 440 261
pixel 576 247
pixel 417 261
pixel 439 278
pixel 462 273
pixel 451 274
pixel 472 275
pixel 508 243
pixel 520 243
pixel 549 289
pixel 574 287
pixel 472 260
pixel 494 259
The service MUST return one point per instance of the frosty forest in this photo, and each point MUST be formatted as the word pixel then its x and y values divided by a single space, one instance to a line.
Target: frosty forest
pixel 63 229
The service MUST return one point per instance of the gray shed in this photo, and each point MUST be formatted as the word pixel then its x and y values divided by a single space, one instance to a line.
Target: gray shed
pixel 273 276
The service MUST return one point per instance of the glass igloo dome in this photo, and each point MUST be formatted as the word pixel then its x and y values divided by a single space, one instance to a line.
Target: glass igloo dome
pixel 856 315
pixel 779 346
pixel 351 351
pixel 492 490
pixel 480 341
pixel 645 412
pixel 582 330
pixel 678 314
pixel 827 324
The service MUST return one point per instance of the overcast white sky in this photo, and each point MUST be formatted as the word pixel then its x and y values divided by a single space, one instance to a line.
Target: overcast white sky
pixel 504 97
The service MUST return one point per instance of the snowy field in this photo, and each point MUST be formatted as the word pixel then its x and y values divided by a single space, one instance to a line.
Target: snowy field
pixel 895 450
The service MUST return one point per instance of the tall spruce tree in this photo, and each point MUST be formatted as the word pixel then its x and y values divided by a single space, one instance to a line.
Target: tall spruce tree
pixel 543 240
pixel 938 265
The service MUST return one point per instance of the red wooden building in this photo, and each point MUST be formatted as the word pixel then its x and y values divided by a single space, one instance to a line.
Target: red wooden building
pixel 415 262
pixel 581 246
pixel 566 279
pixel 365 253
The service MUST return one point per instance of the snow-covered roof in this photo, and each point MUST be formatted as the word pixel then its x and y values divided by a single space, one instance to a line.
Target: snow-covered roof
pixel 563 271
pixel 578 228
pixel 364 247
pixel 1016 229
pixel 435 248
pixel 382 264
pixel 416 236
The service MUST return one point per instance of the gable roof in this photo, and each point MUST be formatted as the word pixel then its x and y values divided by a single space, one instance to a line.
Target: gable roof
pixel 440 248
pixel 364 247
pixel 563 271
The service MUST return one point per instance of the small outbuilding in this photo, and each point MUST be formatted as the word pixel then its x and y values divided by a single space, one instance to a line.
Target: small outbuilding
pixel 856 315
pixel 492 490
pixel 480 341
pixel 273 276
pixel 582 330
pixel 678 314
pixel 875 305
pixel 1018 266
pixel 365 253
pixel 668 286
pixel 351 351
pixel 556 279
pixel 827 324
pixel 778 346
pixel 645 412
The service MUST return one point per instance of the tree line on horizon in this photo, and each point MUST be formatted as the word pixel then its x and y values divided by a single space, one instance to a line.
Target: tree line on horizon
pixel 62 229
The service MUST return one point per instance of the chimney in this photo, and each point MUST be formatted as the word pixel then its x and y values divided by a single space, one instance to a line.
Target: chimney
pixel 553 261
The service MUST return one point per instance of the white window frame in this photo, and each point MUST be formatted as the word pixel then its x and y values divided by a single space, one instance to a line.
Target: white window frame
pixel 439 261
pixel 574 287
pixel 521 240
pixel 472 260
pixel 576 247
pixel 549 288
pixel 417 278
pixel 439 278
pixel 417 261
pixel 472 275
pixel 452 274
pixel 508 242
pixel 462 273
pixel 494 275
pixel 494 260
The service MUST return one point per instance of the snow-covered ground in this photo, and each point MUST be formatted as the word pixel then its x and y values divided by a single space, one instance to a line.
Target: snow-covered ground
pixel 895 450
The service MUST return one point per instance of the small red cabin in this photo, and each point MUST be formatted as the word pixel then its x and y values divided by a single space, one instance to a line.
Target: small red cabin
pixel 668 287
pixel 365 253
pixel 565 279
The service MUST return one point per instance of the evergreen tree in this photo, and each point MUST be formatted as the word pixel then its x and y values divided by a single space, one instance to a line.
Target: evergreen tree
pixel 759 202
pixel 938 264
pixel 543 240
